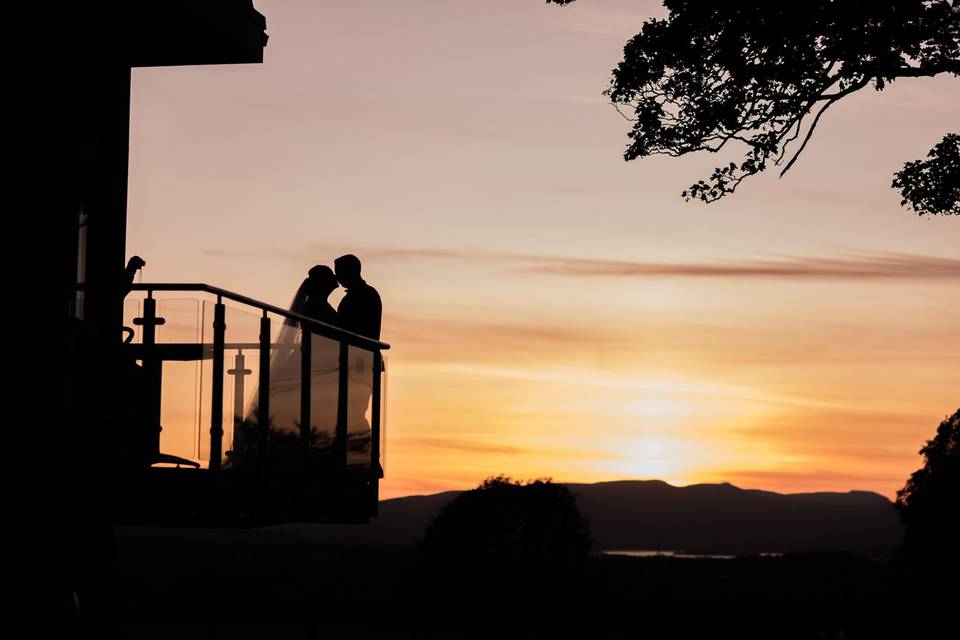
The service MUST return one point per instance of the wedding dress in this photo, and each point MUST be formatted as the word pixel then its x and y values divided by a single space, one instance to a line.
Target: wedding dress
pixel 285 435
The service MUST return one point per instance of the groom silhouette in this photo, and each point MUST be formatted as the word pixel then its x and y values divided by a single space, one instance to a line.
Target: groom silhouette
pixel 360 309
pixel 360 312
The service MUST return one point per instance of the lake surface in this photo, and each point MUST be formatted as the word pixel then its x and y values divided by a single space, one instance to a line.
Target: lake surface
pixel 677 554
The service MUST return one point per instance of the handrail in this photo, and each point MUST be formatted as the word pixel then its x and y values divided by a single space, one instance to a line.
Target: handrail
pixel 322 328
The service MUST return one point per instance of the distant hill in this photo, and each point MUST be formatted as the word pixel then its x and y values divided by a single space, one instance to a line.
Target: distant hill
pixel 651 514
pixel 722 518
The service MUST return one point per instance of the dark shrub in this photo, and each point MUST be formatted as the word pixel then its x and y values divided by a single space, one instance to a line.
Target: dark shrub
pixel 507 538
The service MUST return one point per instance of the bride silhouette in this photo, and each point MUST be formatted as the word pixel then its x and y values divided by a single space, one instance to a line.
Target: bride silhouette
pixel 285 396
pixel 286 365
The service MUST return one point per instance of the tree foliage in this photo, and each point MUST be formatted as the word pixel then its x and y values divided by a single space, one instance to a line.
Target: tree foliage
pixel 929 503
pixel 933 186
pixel 762 74
pixel 520 537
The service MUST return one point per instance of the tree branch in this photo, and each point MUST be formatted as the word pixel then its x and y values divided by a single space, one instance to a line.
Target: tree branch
pixel 832 97
pixel 947 66
pixel 806 139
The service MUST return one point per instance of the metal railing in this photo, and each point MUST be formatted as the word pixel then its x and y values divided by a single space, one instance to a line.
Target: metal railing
pixel 152 354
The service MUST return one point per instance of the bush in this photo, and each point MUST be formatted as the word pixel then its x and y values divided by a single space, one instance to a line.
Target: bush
pixel 515 538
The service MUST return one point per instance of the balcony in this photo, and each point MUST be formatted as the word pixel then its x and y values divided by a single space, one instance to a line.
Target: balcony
pixel 253 415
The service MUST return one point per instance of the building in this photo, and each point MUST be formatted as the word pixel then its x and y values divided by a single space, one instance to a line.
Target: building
pixel 108 385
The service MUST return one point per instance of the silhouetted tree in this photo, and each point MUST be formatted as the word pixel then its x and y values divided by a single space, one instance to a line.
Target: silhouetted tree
pixel 761 74
pixel 929 503
pixel 513 539
pixel 933 186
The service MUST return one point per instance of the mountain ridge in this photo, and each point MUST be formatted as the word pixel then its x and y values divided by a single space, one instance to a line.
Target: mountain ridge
pixel 653 514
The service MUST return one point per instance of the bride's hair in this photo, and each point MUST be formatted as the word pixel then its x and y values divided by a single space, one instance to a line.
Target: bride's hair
pixel 321 271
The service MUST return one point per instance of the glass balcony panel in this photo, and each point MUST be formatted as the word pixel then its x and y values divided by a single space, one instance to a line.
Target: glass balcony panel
pixel 179 395
pixel 241 338
pixel 359 395
pixel 324 392
pixel 181 320
pixel 324 378
pixel 179 408
pixel 241 381
pixel 287 450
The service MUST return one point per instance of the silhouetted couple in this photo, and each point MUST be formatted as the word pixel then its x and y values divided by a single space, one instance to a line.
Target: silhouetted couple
pixel 360 310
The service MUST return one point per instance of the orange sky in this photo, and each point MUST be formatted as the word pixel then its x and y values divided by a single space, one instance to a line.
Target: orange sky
pixel 553 310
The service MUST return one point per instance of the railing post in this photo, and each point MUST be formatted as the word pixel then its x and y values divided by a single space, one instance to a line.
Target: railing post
pixel 263 409
pixel 376 470
pixel 239 373
pixel 216 403
pixel 343 399
pixel 306 361
pixel 151 373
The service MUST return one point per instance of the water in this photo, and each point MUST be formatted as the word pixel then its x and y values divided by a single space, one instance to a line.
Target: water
pixel 678 554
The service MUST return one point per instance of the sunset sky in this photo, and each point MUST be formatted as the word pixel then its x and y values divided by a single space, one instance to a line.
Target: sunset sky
pixel 553 310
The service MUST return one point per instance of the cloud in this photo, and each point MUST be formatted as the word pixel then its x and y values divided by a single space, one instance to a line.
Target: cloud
pixel 437 330
pixel 853 449
pixel 494 448
pixel 881 266
pixel 224 253
pixel 453 444
pixel 857 432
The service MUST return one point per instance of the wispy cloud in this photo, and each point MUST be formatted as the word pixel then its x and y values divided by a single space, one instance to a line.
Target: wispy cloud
pixel 812 433
pixel 885 266
pixel 411 329
pixel 224 253
pixel 462 445
pixel 852 266
pixel 455 444
pixel 845 266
